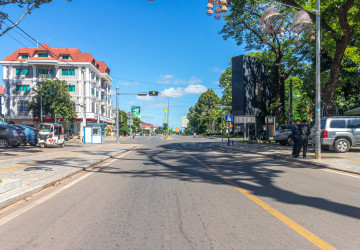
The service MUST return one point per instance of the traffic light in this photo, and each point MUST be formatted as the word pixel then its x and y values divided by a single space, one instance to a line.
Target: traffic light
pixel 153 93
pixel 211 107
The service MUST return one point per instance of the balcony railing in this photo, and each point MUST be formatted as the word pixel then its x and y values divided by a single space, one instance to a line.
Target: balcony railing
pixel 45 76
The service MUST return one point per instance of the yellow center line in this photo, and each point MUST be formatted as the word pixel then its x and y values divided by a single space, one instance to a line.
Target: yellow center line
pixel 317 241
pixel 53 159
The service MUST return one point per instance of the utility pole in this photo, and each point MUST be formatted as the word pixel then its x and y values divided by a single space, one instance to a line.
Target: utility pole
pixel 290 102
pixel 41 105
pixel 117 115
pixel 168 116
pixel 83 122
pixel 318 84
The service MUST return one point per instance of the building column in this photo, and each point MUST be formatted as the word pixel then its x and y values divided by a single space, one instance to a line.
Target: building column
pixel 57 72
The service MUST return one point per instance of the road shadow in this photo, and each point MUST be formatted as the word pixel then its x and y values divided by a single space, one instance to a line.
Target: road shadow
pixel 253 173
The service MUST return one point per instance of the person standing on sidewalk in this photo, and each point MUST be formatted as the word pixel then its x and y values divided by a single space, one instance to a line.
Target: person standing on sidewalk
pixel 296 138
pixel 304 136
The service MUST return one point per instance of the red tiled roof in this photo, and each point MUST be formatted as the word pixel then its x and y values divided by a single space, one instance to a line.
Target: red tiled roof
pixel 75 54
pixel 144 124
pixel 1 90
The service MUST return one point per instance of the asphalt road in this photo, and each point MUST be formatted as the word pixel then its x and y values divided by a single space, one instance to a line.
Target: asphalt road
pixel 185 193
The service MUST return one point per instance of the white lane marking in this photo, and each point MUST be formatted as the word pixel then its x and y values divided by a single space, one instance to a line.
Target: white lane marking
pixel 342 173
pixel 49 196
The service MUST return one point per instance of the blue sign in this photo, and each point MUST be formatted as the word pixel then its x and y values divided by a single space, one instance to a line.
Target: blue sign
pixel 228 118
pixel 238 127
pixel 160 128
pixel 227 126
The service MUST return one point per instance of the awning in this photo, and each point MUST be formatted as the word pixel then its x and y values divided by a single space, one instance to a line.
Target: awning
pixel 355 111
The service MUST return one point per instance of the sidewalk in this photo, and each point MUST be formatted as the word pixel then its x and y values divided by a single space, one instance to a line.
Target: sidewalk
pixel 349 162
pixel 35 169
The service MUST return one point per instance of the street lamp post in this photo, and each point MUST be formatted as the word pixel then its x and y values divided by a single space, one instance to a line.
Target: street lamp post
pixel 318 84
pixel 117 114
pixel 271 22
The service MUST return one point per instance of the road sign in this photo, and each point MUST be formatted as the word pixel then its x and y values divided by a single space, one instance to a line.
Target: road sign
pixel 227 126
pixel 130 115
pixel 228 118
pixel 136 111
pixel 165 110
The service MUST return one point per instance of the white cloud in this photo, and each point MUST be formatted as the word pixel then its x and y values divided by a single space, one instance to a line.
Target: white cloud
pixel 165 79
pixel 217 70
pixel 172 92
pixel 145 98
pixel 195 89
pixel 195 80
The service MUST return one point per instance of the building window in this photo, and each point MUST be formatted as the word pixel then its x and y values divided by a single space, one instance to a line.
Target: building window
pixel 45 72
pixel 68 72
pixel 93 91
pixel 97 93
pixel 22 72
pixel 65 57
pixel 93 107
pixel 43 54
pixel 23 88
pixel 71 88
pixel 25 56
pixel 22 106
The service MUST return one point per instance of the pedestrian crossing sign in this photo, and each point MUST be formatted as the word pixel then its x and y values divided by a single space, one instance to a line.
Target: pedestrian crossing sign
pixel 228 118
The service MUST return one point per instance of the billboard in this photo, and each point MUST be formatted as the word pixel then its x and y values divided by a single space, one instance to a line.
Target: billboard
pixel 184 122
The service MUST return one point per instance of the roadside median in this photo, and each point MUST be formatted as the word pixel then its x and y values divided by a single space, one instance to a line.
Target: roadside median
pixel 347 162
pixel 40 171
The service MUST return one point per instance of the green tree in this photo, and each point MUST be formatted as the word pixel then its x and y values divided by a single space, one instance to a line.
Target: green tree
pixel 124 128
pixel 56 100
pixel 137 124
pixel 225 82
pixel 340 40
pixel 27 5
pixel 200 116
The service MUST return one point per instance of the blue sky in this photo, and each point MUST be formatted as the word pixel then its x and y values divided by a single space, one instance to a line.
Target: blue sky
pixel 168 46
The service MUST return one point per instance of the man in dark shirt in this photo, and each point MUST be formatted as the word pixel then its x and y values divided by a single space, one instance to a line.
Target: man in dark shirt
pixel 304 136
pixel 296 138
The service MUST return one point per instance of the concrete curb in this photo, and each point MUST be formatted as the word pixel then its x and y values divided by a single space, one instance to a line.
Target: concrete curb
pixel 297 160
pixel 18 197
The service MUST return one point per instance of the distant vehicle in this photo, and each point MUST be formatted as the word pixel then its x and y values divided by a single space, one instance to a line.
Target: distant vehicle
pixel 339 133
pixel 30 133
pixel 9 136
pixel 283 135
pixel 51 134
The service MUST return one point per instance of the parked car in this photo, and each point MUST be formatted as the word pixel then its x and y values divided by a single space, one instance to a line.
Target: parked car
pixel 22 133
pixel 30 133
pixel 9 136
pixel 339 133
pixel 282 134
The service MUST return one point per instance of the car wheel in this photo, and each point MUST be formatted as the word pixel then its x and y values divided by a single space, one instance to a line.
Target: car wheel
pixel 42 145
pixel 341 145
pixel 290 141
pixel 4 143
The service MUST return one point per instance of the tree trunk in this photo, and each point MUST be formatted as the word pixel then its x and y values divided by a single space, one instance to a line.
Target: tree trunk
pixel 278 94
pixel 328 92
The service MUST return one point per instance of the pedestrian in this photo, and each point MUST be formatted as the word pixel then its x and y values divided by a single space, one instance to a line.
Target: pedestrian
pixel 304 135
pixel 296 138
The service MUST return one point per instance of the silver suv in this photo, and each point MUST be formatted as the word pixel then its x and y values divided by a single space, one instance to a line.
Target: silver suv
pixel 339 133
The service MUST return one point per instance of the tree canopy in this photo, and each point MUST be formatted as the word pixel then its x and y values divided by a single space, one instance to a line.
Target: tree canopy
pixel 56 100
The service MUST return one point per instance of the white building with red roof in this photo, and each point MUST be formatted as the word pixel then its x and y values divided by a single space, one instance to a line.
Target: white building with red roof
pixel 148 126
pixel 88 79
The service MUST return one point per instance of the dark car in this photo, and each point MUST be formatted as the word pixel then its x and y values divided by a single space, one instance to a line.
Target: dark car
pixel 9 136
pixel 22 134
pixel 30 133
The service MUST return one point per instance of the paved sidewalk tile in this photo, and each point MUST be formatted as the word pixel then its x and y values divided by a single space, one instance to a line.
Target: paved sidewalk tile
pixel 40 170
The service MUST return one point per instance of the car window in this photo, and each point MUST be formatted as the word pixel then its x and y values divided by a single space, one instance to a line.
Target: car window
pixel 337 124
pixel 323 123
pixel 354 123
